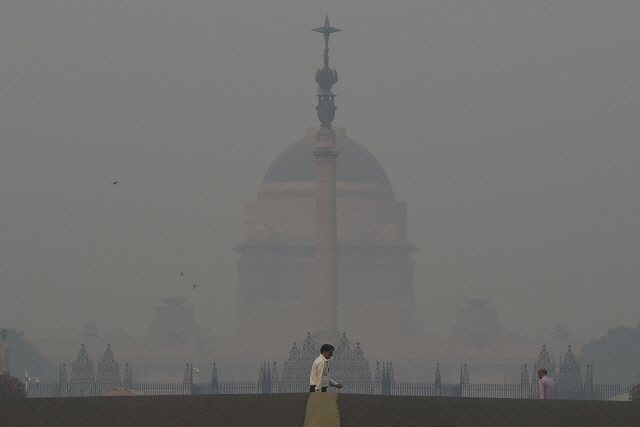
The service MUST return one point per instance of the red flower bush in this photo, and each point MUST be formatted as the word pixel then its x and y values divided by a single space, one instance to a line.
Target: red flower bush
pixel 11 387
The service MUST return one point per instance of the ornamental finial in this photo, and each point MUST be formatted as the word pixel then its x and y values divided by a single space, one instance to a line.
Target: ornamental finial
pixel 326 78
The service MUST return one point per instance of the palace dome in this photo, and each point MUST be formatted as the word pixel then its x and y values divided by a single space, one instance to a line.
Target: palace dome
pixel 277 268
pixel 298 164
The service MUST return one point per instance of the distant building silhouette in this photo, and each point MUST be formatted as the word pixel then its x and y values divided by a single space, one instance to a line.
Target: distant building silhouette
pixel 477 323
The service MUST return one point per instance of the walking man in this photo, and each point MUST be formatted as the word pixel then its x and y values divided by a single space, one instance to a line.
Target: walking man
pixel 546 386
pixel 319 378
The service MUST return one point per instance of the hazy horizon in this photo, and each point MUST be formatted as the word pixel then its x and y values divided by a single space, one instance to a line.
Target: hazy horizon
pixel 509 128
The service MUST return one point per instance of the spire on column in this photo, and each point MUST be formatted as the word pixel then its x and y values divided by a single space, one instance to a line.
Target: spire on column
pixel 326 78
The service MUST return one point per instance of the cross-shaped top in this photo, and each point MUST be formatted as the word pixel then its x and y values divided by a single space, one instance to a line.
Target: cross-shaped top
pixel 326 29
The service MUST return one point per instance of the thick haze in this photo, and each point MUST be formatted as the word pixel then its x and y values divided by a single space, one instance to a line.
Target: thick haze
pixel 510 129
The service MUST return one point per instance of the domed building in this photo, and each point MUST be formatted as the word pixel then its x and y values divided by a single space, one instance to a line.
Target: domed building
pixel 374 265
pixel 359 281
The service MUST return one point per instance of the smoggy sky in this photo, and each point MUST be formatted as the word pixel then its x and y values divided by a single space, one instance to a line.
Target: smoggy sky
pixel 509 128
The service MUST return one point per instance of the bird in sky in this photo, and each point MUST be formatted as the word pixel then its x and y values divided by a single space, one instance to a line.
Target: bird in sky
pixel 181 273
pixel 194 286
pixel 115 182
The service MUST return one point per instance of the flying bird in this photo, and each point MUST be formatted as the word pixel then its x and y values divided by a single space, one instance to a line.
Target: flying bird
pixel 115 182
pixel 181 273
pixel 194 286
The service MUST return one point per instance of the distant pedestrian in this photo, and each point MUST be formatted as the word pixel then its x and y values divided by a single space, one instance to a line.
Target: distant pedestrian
pixel 546 386
pixel 319 378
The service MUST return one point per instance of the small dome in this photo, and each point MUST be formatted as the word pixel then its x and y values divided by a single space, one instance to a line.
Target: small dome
pixel 297 163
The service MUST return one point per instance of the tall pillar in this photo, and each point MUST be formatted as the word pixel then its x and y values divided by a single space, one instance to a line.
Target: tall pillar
pixel 326 291
pixel 326 245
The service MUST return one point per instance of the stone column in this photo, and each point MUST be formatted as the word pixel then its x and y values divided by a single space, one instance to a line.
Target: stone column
pixel 326 291
pixel 326 302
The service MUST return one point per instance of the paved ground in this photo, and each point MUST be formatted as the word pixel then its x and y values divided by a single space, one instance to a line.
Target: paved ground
pixel 391 411
pixel 270 410
pixel 288 410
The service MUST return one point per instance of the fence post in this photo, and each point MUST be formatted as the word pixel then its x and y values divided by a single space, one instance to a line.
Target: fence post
pixel 524 382
pixel 128 377
pixel 267 383
pixel 437 385
pixel 275 383
pixel 464 381
pixel 386 383
pixel 377 380
pixel 214 380
pixel 188 378
pixel 64 386
pixel 588 380
pixel 264 378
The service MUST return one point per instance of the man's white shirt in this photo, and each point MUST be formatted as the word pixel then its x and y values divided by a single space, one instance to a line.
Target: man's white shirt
pixel 546 388
pixel 320 374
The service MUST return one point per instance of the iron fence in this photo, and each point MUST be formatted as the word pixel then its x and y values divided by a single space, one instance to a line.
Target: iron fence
pixel 96 389
pixel 239 388
pixel 505 391
pixel 348 364
pixel 424 389
pixel 161 389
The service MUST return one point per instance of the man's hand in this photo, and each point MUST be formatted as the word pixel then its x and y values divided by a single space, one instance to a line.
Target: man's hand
pixel 339 386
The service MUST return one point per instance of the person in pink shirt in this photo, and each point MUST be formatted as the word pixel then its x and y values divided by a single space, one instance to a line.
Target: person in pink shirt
pixel 546 386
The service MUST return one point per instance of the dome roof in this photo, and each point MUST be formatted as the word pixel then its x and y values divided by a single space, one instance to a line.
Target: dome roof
pixel 297 163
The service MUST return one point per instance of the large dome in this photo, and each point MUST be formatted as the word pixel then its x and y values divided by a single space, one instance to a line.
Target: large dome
pixel 277 268
pixel 297 163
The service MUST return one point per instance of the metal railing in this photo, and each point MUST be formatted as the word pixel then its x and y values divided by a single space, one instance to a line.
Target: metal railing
pixel 506 391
